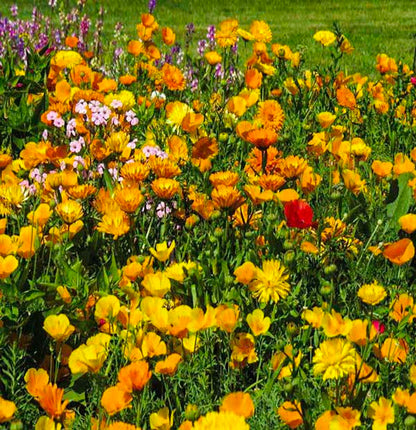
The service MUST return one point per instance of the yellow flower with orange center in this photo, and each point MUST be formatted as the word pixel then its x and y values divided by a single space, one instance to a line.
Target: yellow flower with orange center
pixel 128 198
pixel 271 115
pixel 225 197
pixel 382 413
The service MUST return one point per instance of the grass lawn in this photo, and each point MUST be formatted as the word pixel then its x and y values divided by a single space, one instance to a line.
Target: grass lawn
pixel 373 26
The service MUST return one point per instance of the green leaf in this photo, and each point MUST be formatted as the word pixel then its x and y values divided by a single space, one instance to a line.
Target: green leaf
pixel 401 199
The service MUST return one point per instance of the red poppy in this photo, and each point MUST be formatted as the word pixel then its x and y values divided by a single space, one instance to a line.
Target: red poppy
pixel 298 214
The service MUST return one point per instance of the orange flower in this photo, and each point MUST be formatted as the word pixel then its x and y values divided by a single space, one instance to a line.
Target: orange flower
pixel 403 307
pixel 382 169
pixel 36 380
pixel 227 33
pixel 168 36
pixel 134 376
pixel 271 115
pixel 395 350
pixel 227 318
pixel 69 211
pixel 239 403
pixel 127 79
pixel 253 79
pixel 227 197
pixel 399 252
pixel 346 98
pixel 169 365
pixel 7 266
pixel 165 188
pixel 7 410
pixel 213 57
pixel 261 138
pixel 115 399
pixel 192 121
pixel 237 105
pixel 173 77
pixel 261 31
pixel 128 198
pixel 50 400
pixel 291 414
pixel 28 242
pixel 117 223
pixel 408 223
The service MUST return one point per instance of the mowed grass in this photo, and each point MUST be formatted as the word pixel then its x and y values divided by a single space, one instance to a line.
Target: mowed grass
pixel 373 27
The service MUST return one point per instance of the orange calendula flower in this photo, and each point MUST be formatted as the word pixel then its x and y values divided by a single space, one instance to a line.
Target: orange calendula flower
pixel 227 33
pixel 116 223
pixel 261 138
pixel 165 188
pixel 271 115
pixel 225 197
pixel 258 323
pixel 69 211
pixel 291 414
pixel 400 252
pixel 239 403
pixel 261 31
pixel 173 78
pixel 58 327
pixel 28 242
pixel 382 413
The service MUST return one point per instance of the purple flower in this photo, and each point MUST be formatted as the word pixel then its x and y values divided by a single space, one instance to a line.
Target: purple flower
pixel 14 10
pixel 152 5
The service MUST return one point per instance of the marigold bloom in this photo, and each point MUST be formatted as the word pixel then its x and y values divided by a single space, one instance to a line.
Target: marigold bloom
pixel 173 78
pixel 400 252
pixel 270 282
pixel 239 403
pixel 291 414
pixel 271 115
pixel 69 211
pixel 7 410
pixel 165 188
pixel 225 197
pixel 116 223
pixel 128 198
pixel 227 33
pixel 258 323
pixel 261 138
pixel 58 327
pixel 334 358
pixel 134 376
pixel 382 413
pixel 115 399
pixel 325 37
pixel 372 294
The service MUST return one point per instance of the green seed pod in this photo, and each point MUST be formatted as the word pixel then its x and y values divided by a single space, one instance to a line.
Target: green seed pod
pixel 287 244
pixel 330 270
pixel 289 257
pixel 410 421
pixel 223 137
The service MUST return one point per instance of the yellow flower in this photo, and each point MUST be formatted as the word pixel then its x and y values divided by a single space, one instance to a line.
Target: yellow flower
pixel 106 309
pixel 157 284
pixel 116 223
pixel 261 32
pixel 239 403
pixel 270 282
pixel 7 266
pixel 162 251
pixel 161 420
pixel 258 323
pixel 326 119
pixel 223 420
pixel 69 211
pixel 372 294
pixel 408 223
pixel 58 327
pixel 382 412
pixel 326 38
pixel 46 423
pixel 334 358
pixel 7 410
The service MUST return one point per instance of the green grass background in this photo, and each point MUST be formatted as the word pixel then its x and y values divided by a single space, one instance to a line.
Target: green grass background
pixel 372 26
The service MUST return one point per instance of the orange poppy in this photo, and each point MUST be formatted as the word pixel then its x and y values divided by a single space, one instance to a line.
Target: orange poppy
pixel 399 252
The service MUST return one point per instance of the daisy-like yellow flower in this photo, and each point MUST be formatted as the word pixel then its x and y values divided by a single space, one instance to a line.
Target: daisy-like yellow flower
pixel 271 115
pixel 382 412
pixel 325 37
pixel 372 294
pixel 117 223
pixel 270 282
pixel 334 359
